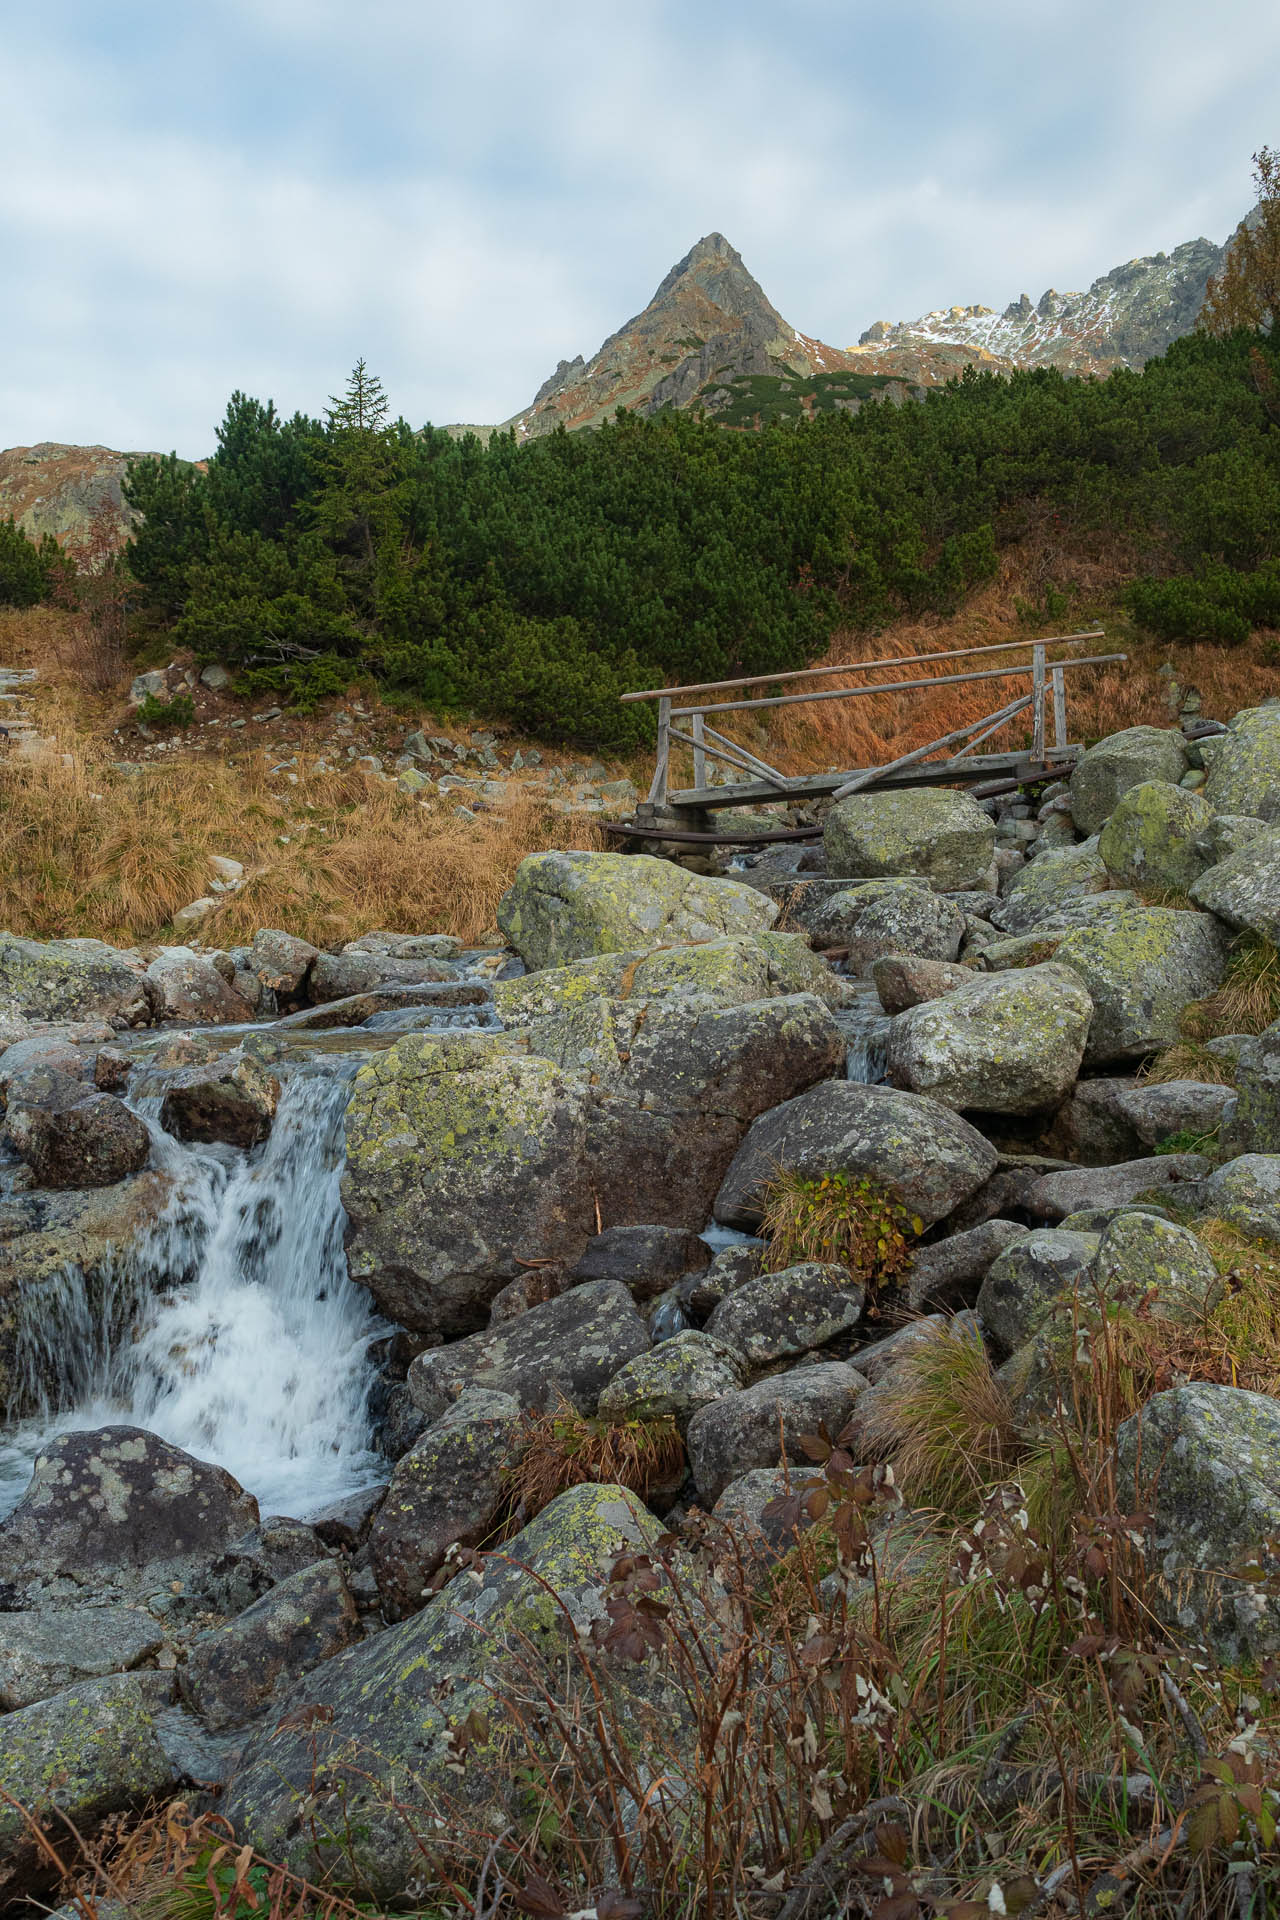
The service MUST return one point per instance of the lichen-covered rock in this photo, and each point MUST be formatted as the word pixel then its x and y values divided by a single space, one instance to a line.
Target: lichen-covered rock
pixel 1151 838
pixel 727 972
pixel 917 1149
pixel 1044 887
pixel 1206 1461
pixel 888 916
pixel 1252 1125
pixel 461 1159
pixel 1246 1192
pixel 336 976
pixel 1244 774
pixel 1054 1195
pixel 1244 890
pixel 1155 1265
pixel 117 1512
pixel 281 961
pixel 754 1428
pixel 1002 1043
pixel 73 980
pixel 71 1136
pixel 233 1100
pixel 190 987
pixel 1140 972
pixel 949 1273
pixel 232 1672
pixel 646 1259
pixel 944 836
pixel 79 1757
pixel 742 1507
pixel 778 1315
pixel 1124 760
pixel 1024 1281
pixel 565 906
pixel 905 980
pixel 673 1380
pixel 1162 1108
pixel 445 1492
pixel 51 1648
pixel 1092 1126
pixel 338 1794
pixel 567 1348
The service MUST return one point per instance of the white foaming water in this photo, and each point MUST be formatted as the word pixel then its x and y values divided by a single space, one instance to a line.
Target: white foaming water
pixel 262 1362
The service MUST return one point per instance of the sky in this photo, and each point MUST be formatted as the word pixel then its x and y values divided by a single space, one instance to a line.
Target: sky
pixel 253 194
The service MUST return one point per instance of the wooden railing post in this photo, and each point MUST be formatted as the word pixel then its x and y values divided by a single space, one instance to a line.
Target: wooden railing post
pixel 1059 707
pixel 658 790
pixel 1037 705
pixel 699 754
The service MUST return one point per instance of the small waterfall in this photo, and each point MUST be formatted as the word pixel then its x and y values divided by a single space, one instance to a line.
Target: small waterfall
pixel 866 1031
pixel 261 1361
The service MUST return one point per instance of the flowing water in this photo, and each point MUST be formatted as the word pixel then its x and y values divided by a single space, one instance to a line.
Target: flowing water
pixel 260 1357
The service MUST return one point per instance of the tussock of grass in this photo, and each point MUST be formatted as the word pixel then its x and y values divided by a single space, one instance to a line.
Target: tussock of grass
pixel 1248 999
pixel 1189 1060
pixel 564 1449
pixel 949 1427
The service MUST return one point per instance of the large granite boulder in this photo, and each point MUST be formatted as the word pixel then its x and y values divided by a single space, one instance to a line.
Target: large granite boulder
pixel 1054 1196
pixel 888 916
pixel 1155 1265
pixel 1244 890
pixel 776 1316
pixel 190 987
pixel 567 1348
pixel 565 906
pixel 232 1672
pixel 462 1159
pixel 904 980
pixel 281 962
pixel 77 1759
pixel 118 1513
pixel 1206 1461
pixel 943 836
pixel 1151 839
pixel 1246 1193
pixel 233 1099
pixel 1002 1043
pixel 756 1427
pixel 1141 971
pixel 1107 771
pixel 919 1150
pixel 1244 775
pixel 674 1380
pixel 1024 1281
pixel 727 972
pixel 337 1792
pixel 949 1273
pixel 71 1136
pixel 73 980
pixel 1158 1109
pixel 1252 1125
pixel 445 1492
pixel 1056 879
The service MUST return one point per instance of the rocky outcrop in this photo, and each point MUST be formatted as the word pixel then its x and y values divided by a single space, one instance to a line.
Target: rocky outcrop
pixel 1244 775
pixel 567 906
pixel 73 980
pixel 944 837
pixel 1107 771
pixel 1003 1043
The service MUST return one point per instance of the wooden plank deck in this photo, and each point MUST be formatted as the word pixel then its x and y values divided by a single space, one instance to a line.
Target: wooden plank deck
pixel 969 771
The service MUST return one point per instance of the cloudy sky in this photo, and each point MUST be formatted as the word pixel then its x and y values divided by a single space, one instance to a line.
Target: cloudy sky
pixel 252 193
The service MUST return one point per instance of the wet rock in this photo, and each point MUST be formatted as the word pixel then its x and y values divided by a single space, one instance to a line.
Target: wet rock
pixel 1168 1107
pixel 1244 890
pixel 1025 1280
pixel 339 1795
pixel 1244 773
pixel 673 1380
pixel 72 980
pixel 233 1099
pixel 778 1315
pixel 232 1672
pixel 111 1070
pixel 81 1756
pixel 905 980
pixel 647 1260
pixel 281 961
pixel 445 1492
pixel 943 836
pixel 1124 760
pixel 1002 1043
pixel 1041 890
pixel 190 987
pixel 570 1348
pixel 564 906
pixel 1152 838
pixel 1215 1505
pixel 1054 1195
pixel 49 1649
pixel 888 916
pixel 948 1273
pixel 752 1428
pixel 336 976
pixel 70 1135
pixel 1140 973
pixel 118 1512
pixel 357 1008
pixel 919 1150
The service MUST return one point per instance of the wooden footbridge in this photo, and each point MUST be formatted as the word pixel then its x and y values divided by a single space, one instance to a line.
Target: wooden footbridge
pixel 681 814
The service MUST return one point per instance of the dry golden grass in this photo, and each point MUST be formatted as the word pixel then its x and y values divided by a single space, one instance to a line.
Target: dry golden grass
pixel 1188 1060
pixel 566 1449
pixel 949 1427
pixel 1248 999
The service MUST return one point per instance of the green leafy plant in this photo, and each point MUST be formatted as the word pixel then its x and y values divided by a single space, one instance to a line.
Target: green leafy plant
pixel 177 712
pixel 848 1219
